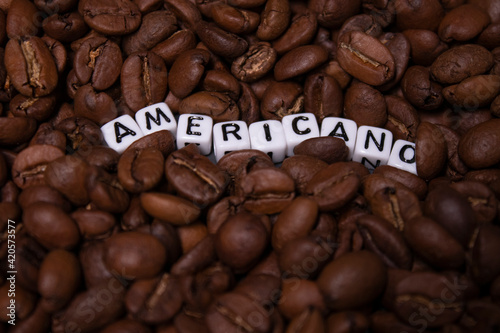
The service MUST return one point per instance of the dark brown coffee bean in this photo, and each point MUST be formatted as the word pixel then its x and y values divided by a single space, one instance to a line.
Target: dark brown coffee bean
pixel 388 322
pixel 185 11
pixel 57 6
pixel 425 290
pixel 140 170
pixel 134 255
pixel 240 242
pixel 327 148
pixel 274 19
pixel 484 266
pixel 104 304
pixel 399 46
pixel 219 41
pixel 430 150
pixel 172 47
pixel 347 321
pixel 199 257
pixel 25 301
pixel 98 61
pixel 4 173
pixel 461 62
pixel 362 22
pixel 155 27
pixel 425 46
pixel 298 295
pixel 383 239
pixel 214 104
pixel 16 130
pixel 221 81
pixel 187 71
pixel 233 19
pixel 96 106
pixel 143 80
pixel 246 3
pixel 455 168
pixel 365 58
pixel 299 61
pixel 169 208
pixel 463 23
pixel 23 19
pixel 310 320
pixel 105 191
pixel 402 119
pixel 281 99
pixel 473 92
pixel 370 109
pixel 331 14
pixel 36 74
pixel 94 224
pixel 420 90
pixel 249 105
pixel 206 181
pixel 323 96
pixel 345 285
pixel 478 148
pixel 413 182
pixel 51 226
pixel 42 193
pixel 39 108
pixel 255 63
pixel 59 279
pixel 425 14
pixel 66 27
pixel 163 140
pixel 47 135
pixel 333 186
pixel 111 17
pixel 261 288
pixel 481 199
pixel 30 164
pixel 263 196
pixel 301 31
pixel 91 256
pixel 153 301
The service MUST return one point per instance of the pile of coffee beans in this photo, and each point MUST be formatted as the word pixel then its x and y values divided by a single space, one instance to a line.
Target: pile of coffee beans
pixel 161 239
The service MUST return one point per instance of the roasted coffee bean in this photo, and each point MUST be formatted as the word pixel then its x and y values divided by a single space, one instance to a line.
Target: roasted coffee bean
pixel 420 90
pixel 333 186
pixel 91 256
pixel 478 148
pixel 187 71
pixel 39 108
pixel 140 170
pixel 399 46
pixel 172 47
pixel 484 267
pixel 25 301
pixel 185 11
pixel 47 135
pixel 23 19
pixel 322 96
pixel 67 174
pixel 434 243
pixel 274 19
pixel 96 106
pixel 126 326
pixel 461 62
pixel 233 19
pixel 473 92
pixel 29 166
pixel 155 27
pixel 331 14
pixel 36 74
pixel 111 17
pixel 200 257
pixel 411 181
pixel 249 104
pixel 255 63
pixel 310 320
pixel 162 140
pixel 425 14
pixel 301 31
pixel 143 80
pixel 362 22
pixel 57 6
pixel 298 295
pixel 98 61
pixel 345 285
pixel 104 309
pixel 169 208
pixel 425 46
pixel 430 150
pixel 16 130
pixel 263 196
pixel 219 41
pixel 66 27
pixel 281 99
pixel 51 226
pixel 59 279
pixel 365 58
pixel 402 119
pixel 221 81
pixel 42 193
pixel 240 241
pixel 463 23
pixel 94 224
pixel 217 105
pixel 4 171
pixel 154 300
pixel 481 199
pixel 105 191
pixel 383 239
pixel 299 61
pixel 370 109
pixel 327 148
pixel 347 321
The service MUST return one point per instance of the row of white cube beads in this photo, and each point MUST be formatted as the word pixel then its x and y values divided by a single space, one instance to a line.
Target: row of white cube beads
pixel 368 145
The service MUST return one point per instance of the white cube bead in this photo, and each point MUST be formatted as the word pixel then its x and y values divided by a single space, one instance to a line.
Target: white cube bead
pixel 403 156
pixel 156 117
pixel 373 146
pixel 299 127
pixel 197 129
pixel 121 132
pixel 268 136
pixel 230 136
pixel 345 129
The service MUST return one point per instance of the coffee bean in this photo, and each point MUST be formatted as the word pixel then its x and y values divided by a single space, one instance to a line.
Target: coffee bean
pixel 255 63
pixel 66 27
pixel 111 17
pixel 350 321
pixel 220 107
pixel 36 75
pixel 430 150
pixel 23 19
pixel 463 23
pixel 301 31
pixel 423 15
pixel 173 46
pixel 219 41
pixel 420 90
pixel 14 131
pixel 126 326
pixel 96 106
pixel 370 110
pixel 140 170
pixel 425 46
pixel 327 148
pixel 333 14
pixel 478 148
pixel 221 81
pixel 33 107
pixel 281 99
pixel 274 19
pixel 299 61
pixel 94 224
pixel 233 19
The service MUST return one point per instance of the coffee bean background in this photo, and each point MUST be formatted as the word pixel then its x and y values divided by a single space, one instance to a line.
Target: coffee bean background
pixel 159 239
